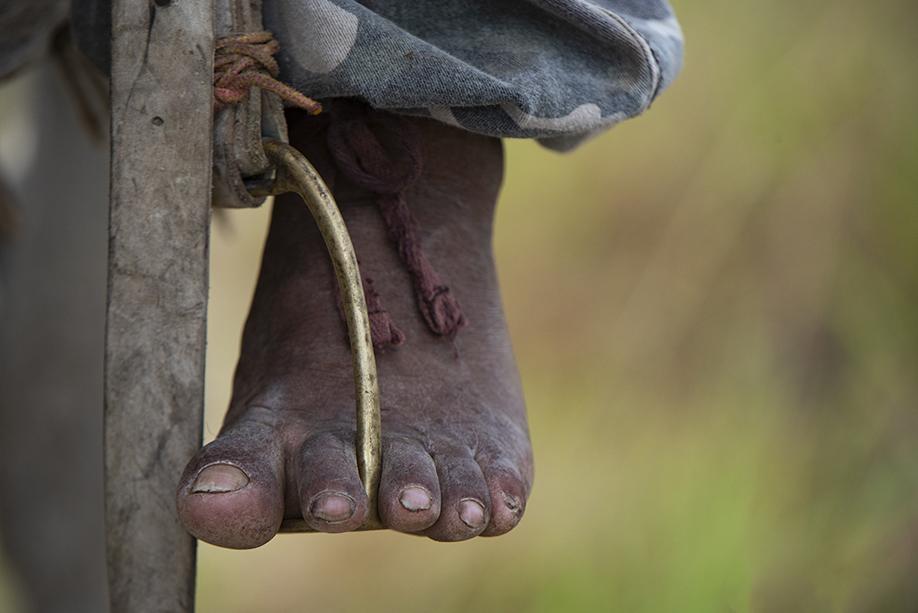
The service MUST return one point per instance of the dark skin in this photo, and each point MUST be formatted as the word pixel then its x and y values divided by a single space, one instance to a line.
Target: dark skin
pixel 457 461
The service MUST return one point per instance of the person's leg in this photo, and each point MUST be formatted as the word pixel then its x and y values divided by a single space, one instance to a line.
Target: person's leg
pixel 52 329
pixel 456 455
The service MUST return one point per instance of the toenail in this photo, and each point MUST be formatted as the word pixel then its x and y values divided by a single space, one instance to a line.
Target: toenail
pixel 472 513
pixel 332 507
pixel 219 479
pixel 415 498
pixel 512 503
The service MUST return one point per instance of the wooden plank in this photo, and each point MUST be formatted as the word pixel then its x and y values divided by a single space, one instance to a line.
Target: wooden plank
pixel 162 66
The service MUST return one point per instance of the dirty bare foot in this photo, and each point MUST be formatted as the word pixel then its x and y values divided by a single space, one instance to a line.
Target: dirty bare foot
pixel 456 454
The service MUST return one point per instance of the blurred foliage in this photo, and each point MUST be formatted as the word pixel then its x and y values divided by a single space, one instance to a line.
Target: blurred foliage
pixel 714 310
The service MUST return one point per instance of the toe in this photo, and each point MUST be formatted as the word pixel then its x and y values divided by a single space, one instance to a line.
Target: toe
pixel 231 492
pixel 509 492
pixel 465 509
pixel 409 491
pixel 332 498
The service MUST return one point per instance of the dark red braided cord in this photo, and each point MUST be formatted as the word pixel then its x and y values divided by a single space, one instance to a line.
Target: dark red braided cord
pixel 388 172
pixel 247 60
pixel 383 330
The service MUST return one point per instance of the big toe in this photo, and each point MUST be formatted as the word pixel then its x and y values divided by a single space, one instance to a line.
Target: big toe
pixel 231 492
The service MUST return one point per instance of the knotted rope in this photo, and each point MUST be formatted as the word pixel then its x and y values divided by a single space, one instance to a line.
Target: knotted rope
pixel 388 170
pixel 247 60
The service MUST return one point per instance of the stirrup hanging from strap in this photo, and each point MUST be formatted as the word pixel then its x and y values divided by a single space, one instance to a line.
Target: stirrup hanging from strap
pixel 295 174
pixel 252 161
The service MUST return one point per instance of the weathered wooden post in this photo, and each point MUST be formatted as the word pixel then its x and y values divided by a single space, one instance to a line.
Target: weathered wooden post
pixel 161 95
pixel 165 143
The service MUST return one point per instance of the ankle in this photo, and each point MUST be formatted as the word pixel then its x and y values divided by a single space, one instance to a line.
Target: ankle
pixel 429 183
pixel 458 174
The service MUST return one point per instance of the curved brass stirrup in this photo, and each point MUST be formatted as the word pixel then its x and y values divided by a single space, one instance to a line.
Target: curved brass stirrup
pixel 296 174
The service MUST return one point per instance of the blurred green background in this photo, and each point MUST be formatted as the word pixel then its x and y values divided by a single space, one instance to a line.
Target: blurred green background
pixel 715 311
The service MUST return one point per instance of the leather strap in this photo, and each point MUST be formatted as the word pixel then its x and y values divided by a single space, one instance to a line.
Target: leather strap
pixel 239 156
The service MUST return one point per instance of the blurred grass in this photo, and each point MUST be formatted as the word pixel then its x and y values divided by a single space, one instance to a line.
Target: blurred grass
pixel 714 312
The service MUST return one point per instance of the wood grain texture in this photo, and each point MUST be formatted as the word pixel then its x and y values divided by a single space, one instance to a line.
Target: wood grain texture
pixel 162 66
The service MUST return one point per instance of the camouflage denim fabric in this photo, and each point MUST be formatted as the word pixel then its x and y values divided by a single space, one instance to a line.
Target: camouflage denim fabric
pixel 555 70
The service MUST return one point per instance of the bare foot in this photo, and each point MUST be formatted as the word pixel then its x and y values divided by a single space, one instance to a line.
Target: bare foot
pixel 457 461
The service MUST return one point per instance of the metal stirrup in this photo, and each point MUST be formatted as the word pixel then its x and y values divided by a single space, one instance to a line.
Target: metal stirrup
pixel 295 174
